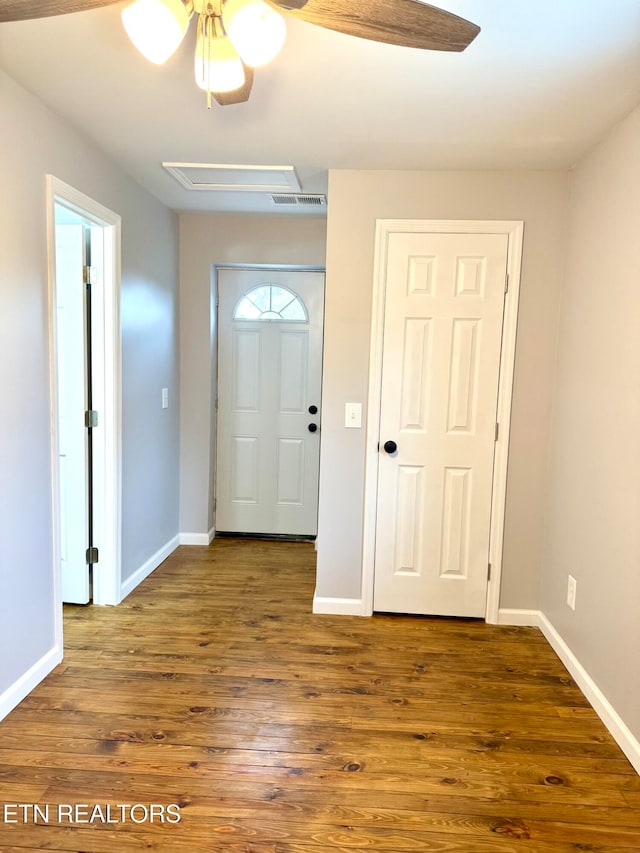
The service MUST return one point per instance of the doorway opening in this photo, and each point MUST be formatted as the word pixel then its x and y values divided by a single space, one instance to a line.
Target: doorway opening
pixel 84 317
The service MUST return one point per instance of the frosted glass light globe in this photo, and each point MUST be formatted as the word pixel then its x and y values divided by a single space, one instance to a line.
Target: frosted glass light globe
pixel 156 27
pixel 256 30
pixel 218 67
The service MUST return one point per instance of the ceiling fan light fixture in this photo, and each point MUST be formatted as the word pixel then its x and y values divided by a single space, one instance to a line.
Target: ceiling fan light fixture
pixel 256 29
pixel 218 67
pixel 156 27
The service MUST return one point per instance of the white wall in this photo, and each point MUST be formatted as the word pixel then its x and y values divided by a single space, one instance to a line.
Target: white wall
pixel 33 142
pixel 593 518
pixel 207 239
pixel 356 200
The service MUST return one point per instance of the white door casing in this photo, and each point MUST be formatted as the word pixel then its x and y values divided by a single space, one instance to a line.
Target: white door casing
pixel 70 314
pixel 269 374
pixel 434 509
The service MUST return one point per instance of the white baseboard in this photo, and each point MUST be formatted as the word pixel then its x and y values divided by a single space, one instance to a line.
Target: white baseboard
pixel 198 538
pixel 145 570
pixel 15 693
pixel 337 606
pixel 627 742
pixel 524 618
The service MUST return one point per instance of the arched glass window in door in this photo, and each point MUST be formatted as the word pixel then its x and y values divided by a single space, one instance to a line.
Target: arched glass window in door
pixel 271 302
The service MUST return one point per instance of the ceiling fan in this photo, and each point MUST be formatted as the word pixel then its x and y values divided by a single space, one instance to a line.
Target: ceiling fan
pixel 236 36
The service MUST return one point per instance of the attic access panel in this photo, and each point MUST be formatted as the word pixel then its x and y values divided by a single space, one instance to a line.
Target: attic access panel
pixel 234 178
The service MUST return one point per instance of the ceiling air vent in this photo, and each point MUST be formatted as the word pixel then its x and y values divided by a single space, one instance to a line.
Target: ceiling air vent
pixel 298 199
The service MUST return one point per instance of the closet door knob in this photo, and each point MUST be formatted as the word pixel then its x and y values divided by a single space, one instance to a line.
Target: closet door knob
pixel 390 447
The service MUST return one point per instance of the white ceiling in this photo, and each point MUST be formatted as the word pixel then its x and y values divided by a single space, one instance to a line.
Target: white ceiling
pixel 543 81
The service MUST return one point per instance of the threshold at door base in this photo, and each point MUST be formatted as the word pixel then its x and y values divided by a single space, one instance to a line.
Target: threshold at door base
pixel 275 537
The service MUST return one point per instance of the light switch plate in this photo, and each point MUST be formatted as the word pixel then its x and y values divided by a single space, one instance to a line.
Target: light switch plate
pixel 165 398
pixel 353 415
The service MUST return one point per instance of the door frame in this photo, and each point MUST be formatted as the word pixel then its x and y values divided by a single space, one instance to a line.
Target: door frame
pixel 107 391
pixel 215 325
pixel 514 230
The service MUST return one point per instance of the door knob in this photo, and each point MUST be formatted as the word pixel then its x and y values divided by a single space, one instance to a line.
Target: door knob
pixel 312 427
pixel 313 410
pixel 390 447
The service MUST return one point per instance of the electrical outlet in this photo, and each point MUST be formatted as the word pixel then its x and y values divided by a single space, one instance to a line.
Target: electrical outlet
pixel 571 592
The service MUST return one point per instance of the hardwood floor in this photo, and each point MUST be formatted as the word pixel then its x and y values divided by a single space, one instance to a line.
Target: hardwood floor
pixel 214 688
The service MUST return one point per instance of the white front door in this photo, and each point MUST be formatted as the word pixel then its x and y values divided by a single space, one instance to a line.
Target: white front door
pixel 269 384
pixel 72 433
pixel 440 371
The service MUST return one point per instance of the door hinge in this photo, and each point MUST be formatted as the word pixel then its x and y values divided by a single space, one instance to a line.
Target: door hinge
pixel 489 572
pixel 215 504
pixel 87 274
pixel 91 419
pixel 497 431
pixel 506 283
pixel 92 555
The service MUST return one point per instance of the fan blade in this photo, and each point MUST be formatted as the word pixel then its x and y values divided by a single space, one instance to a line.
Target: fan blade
pixel 409 23
pixel 238 96
pixel 21 10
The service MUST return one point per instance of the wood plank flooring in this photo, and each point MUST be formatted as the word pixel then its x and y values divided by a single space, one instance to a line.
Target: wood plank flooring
pixel 212 687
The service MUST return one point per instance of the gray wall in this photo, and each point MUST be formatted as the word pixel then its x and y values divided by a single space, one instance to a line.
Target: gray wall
pixel 356 200
pixel 207 239
pixel 34 142
pixel 593 528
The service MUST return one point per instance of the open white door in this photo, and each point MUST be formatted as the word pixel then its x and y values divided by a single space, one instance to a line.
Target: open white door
pixel 269 383
pixel 440 374
pixel 72 433
pixel 83 240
